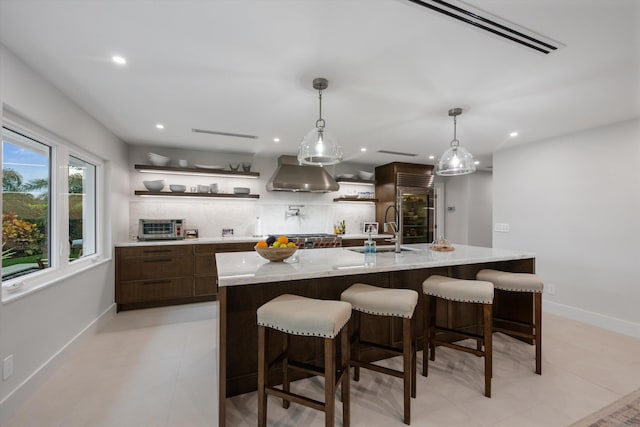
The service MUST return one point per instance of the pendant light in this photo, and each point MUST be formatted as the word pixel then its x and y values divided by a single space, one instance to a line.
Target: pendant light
pixel 319 147
pixel 456 160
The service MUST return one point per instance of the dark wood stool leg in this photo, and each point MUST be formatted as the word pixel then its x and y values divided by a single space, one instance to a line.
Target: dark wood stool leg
pixel 329 381
pixel 426 340
pixel 480 323
pixel 346 377
pixel 537 302
pixel 356 344
pixel 432 328
pixel 406 356
pixel 285 369
pixel 488 355
pixel 262 376
pixel 414 349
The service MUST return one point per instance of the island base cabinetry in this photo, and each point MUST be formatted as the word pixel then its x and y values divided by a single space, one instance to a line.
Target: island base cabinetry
pixel 158 275
pixel 238 329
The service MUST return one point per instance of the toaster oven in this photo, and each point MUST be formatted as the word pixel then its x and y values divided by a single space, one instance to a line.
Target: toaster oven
pixel 161 229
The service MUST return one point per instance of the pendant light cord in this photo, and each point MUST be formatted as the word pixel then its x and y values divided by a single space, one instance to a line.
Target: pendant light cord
pixel 320 121
pixel 454 142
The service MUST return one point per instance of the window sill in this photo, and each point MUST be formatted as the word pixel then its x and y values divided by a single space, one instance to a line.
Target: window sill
pixel 20 287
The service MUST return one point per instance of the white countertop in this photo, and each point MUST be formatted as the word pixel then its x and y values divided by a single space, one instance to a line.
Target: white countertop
pixel 243 268
pixel 228 239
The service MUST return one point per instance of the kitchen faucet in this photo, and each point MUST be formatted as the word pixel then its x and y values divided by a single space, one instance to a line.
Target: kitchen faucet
pixel 397 238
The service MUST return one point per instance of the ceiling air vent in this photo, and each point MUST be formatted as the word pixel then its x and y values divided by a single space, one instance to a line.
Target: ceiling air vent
pixel 492 24
pixel 397 153
pixel 215 132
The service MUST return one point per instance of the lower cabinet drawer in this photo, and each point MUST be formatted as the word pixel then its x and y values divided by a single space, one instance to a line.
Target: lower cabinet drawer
pixel 155 267
pixel 206 285
pixel 155 290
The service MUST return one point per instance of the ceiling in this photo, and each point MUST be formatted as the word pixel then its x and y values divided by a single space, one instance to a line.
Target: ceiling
pixel 394 70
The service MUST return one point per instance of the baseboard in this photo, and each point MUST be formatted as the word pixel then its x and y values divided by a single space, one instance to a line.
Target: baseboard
pixel 12 402
pixel 596 319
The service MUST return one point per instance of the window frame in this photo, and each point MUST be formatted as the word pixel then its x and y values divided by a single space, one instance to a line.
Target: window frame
pixel 60 266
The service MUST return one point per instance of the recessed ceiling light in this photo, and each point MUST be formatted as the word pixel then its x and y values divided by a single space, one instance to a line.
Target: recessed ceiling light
pixel 119 60
pixel 363 149
pixel 513 134
pixel 276 139
pixel 432 157
pixel 477 162
pixel 160 126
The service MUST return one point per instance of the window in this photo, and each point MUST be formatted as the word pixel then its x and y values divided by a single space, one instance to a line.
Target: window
pixel 26 208
pixel 50 208
pixel 82 208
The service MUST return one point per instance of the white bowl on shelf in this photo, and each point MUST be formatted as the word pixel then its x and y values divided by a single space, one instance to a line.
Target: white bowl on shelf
pixel 241 190
pixel 365 175
pixel 178 188
pixel 156 185
pixel 158 160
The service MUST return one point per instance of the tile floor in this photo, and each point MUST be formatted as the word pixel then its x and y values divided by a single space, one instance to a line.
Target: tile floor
pixel 155 368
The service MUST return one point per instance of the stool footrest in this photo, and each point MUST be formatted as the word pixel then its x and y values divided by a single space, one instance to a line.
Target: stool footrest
pixel 381 347
pixel 296 398
pixel 306 367
pixel 458 332
pixel 378 368
pixel 455 346
pixel 514 333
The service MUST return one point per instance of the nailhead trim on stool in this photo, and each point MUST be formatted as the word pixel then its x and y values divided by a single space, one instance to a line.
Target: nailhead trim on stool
pixel 387 302
pixel 526 283
pixel 465 291
pixel 297 315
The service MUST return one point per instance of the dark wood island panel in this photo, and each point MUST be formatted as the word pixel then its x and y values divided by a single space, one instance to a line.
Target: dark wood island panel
pixel 238 329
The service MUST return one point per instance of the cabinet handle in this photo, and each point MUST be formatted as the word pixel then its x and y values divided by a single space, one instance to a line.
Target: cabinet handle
pixel 157 282
pixel 156 251
pixel 157 260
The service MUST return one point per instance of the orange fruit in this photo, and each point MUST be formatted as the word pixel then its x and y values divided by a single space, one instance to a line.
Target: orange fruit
pixel 262 244
pixel 283 240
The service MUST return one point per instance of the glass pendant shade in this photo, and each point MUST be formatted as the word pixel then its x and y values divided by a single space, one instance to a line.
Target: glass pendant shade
pixel 319 147
pixel 456 160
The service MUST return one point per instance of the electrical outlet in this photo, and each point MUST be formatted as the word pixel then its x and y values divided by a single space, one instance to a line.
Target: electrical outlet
pixel 501 227
pixel 7 367
pixel 550 288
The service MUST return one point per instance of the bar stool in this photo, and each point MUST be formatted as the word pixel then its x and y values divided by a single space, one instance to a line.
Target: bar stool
pixel 520 282
pixel 393 303
pixel 466 291
pixel 296 315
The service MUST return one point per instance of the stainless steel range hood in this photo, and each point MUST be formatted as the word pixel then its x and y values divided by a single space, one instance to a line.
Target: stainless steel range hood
pixel 291 176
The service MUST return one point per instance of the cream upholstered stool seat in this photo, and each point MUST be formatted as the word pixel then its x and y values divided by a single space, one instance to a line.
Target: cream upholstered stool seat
pixel 504 281
pixel 297 315
pixel 465 291
pixel 399 303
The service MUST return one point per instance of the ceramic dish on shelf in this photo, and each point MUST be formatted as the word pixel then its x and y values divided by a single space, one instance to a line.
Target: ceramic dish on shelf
pixel 218 167
pixel 156 185
pixel 203 188
pixel 241 190
pixel 177 188
pixel 157 159
pixel 347 176
pixel 365 175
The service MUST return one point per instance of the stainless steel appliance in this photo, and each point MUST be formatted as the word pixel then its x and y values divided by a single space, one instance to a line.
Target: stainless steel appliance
pixel 161 229
pixel 317 240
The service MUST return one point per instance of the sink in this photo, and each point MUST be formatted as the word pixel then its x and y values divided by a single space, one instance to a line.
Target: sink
pixel 381 249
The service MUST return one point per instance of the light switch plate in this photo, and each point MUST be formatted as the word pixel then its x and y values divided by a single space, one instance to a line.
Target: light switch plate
pixel 7 367
pixel 501 227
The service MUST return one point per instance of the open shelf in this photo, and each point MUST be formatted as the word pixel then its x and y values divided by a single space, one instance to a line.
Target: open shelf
pixel 356 181
pixel 176 170
pixel 185 194
pixel 353 199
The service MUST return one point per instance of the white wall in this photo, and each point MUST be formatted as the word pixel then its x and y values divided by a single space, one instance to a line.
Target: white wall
pixel 575 202
pixel 472 197
pixel 34 328
pixel 210 216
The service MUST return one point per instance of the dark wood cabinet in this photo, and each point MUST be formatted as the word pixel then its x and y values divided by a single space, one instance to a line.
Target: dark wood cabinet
pixel 156 275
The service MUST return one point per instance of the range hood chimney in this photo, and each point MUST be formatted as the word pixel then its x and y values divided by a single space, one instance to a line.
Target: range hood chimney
pixel 291 176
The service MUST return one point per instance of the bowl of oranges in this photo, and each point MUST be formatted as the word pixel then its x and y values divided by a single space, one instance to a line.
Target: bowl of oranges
pixel 276 249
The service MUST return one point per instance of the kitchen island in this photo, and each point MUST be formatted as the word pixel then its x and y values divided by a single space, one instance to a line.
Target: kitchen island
pixel 246 281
